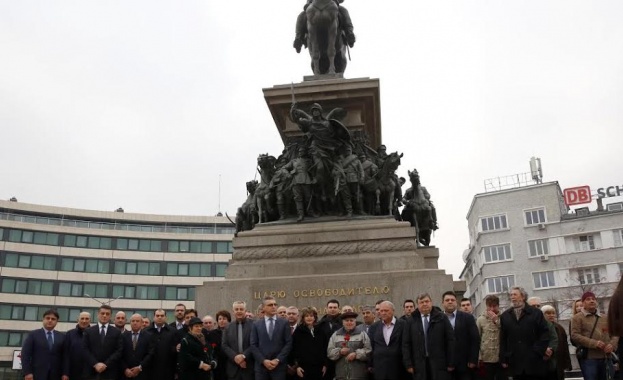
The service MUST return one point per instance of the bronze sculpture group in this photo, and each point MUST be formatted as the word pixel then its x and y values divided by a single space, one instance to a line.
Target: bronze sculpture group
pixel 329 172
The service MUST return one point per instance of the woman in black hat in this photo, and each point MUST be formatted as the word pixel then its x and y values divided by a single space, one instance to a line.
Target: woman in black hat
pixel 196 357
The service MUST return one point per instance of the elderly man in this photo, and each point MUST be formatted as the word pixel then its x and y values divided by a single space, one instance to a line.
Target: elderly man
pixel 589 329
pixel 236 345
pixel 386 340
pixel 75 346
pixel 208 323
pixel 524 338
pixel 138 350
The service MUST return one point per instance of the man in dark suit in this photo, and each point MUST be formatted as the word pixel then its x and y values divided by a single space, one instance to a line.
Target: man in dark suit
pixel 271 343
pixel 467 338
pixel 428 342
pixel 43 352
pixel 386 340
pixel 102 348
pixel 237 345
pixel 178 323
pixel 163 336
pixel 74 346
pixel 138 350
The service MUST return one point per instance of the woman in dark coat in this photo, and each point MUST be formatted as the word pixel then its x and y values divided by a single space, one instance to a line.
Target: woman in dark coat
pixel 223 318
pixel 196 358
pixel 309 347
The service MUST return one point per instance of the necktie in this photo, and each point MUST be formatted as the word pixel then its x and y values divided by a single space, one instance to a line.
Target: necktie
pixel 291 330
pixel 240 337
pixel 426 334
pixel 134 340
pixel 271 327
pixel 50 340
pixel 103 333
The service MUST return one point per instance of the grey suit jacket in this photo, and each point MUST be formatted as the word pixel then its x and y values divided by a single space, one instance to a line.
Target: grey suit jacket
pixel 230 348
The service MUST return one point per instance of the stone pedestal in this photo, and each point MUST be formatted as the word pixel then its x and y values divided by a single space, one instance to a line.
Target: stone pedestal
pixel 357 261
pixel 359 97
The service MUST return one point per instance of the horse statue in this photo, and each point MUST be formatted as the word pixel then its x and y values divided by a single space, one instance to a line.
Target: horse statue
pixel 387 182
pixel 324 39
pixel 246 216
pixel 419 210
pixel 263 194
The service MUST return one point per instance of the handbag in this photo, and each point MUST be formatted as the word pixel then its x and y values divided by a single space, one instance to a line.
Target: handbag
pixel 582 352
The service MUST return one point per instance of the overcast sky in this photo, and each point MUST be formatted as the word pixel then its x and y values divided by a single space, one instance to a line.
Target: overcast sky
pixel 143 104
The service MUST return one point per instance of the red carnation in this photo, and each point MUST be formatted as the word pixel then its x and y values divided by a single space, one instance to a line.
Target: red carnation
pixel 347 337
pixel 205 349
pixel 213 345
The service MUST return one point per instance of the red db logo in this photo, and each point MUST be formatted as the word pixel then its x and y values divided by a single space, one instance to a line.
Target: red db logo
pixel 577 195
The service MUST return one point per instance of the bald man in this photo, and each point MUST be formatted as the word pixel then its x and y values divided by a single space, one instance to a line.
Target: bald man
pixel 138 350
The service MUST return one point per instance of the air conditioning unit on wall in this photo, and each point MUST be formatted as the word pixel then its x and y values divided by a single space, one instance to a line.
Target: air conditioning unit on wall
pixel 541 226
pixel 544 258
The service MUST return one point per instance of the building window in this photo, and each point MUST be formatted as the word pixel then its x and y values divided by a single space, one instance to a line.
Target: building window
pixel 544 279
pixel 538 247
pixel 618 238
pixel 588 276
pixel 491 223
pixel 584 243
pixel 497 253
pixel 500 284
pixel 535 216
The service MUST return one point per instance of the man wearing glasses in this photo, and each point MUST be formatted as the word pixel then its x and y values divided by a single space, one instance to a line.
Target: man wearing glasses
pixel 271 343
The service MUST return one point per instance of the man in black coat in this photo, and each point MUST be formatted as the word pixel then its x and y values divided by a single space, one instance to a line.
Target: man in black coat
pixel 428 354
pixel 467 338
pixel 102 348
pixel 386 340
pixel 236 345
pixel 178 323
pixel 330 323
pixel 138 350
pixel 74 346
pixel 43 351
pixel 524 337
pixel 163 338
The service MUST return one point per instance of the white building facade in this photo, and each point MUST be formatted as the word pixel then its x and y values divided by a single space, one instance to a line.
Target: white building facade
pixel 526 236
pixel 70 260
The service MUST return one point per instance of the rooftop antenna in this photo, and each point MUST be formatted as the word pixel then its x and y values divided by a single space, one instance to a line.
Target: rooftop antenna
pixel 102 302
pixel 219 213
pixel 536 170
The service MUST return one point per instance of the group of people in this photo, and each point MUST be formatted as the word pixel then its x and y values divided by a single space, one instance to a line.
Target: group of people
pixel 427 342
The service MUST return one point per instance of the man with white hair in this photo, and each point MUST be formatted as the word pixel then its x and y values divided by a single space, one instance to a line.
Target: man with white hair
pixel 236 344
pixel 138 351
pixel 208 322
pixel 524 338
pixel 386 340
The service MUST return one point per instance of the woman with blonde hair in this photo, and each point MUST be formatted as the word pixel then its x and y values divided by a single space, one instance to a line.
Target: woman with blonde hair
pixel 561 360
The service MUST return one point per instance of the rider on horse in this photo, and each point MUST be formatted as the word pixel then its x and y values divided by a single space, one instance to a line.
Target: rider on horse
pixel 346 25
